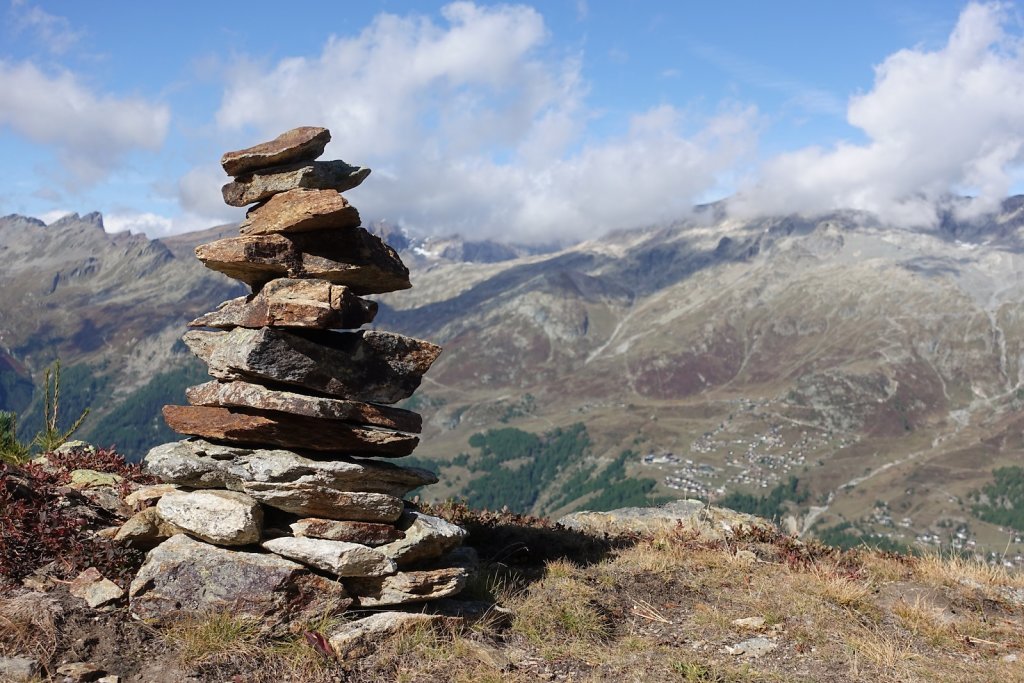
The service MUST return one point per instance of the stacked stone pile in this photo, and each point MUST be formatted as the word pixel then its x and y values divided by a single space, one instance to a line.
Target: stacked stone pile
pixel 279 501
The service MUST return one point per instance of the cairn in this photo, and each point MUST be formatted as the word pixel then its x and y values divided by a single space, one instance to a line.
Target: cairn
pixel 281 498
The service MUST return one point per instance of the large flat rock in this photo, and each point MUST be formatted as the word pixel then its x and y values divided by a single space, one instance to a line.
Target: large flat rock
pixel 354 258
pixel 334 557
pixel 272 428
pixel 214 516
pixel 265 183
pixel 368 365
pixel 248 395
pixel 300 210
pixel 183 577
pixel 298 144
pixel 310 500
pixel 200 464
pixel 688 516
pixel 291 302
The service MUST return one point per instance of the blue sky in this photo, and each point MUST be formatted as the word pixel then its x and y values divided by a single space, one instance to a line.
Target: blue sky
pixel 515 120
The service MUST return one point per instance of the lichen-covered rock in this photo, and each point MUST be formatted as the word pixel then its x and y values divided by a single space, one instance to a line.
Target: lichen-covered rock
pixel 335 557
pixel 203 465
pixel 300 210
pixel 364 533
pixel 310 500
pixel 426 538
pixel 220 517
pixel 184 577
pixel 369 365
pixel 146 529
pixel 408 587
pixel 689 516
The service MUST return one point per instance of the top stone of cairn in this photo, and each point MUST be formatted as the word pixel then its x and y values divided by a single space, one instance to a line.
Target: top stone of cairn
pixel 299 144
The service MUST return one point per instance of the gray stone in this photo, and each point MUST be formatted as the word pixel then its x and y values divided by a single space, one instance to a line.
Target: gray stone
pixel 686 516
pixel 319 175
pixel 300 210
pixel 148 494
pixel 18 669
pixel 426 538
pixel 363 533
pixel 359 638
pixel 753 648
pixel 379 367
pixel 317 501
pixel 94 588
pixel 298 144
pixel 219 517
pixel 184 577
pixel 200 464
pixel 78 672
pixel 146 529
pixel 354 258
pixel 290 302
pixel 335 557
pixel 408 587
pixel 273 428
pixel 248 395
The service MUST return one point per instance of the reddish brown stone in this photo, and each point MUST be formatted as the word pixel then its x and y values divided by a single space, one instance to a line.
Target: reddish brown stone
pixel 247 395
pixel 249 426
pixel 287 302
pixel 319 175
pixel 298 144
pixel 365 533
pixel 300 210
pixel 369 365
pixel 354 258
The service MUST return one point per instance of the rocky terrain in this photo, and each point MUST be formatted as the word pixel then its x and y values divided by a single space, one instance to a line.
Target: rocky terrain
pixel 878 366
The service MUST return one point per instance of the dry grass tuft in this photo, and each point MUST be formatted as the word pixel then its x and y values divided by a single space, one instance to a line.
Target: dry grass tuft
pixel 213 639
pixel 839 589
pixel 28 626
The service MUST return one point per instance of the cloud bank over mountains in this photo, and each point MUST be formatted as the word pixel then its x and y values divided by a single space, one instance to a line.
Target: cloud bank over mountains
pixel 476 122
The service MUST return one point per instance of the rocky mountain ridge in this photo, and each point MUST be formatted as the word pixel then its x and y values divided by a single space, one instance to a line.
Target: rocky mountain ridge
pixel 880 366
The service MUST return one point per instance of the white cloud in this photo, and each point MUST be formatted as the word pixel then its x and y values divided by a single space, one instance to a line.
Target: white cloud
pixel 937 123
pixel 91 132
pixel 199 193
pixel 54 32
pixel 153 225
pixel 473 125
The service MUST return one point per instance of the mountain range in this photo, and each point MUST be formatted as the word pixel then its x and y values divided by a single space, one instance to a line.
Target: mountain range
pixel 862 380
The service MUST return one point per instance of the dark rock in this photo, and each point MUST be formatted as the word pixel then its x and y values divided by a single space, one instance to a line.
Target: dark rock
pixel 319 175
pixel 380 367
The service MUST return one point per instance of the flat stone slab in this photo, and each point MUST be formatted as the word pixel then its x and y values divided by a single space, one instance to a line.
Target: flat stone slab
pixel 289 302
pixel 339 558
pixel 298 144
pixel 215 516
pixel 300 210
pixel 197 463
pixel 310 500
pixel 354 258
pixel 408 587
pixel 94 588
pixel 364 533
pixel 693 516
pixel 267 427
pixel 368 365
pixel 319 175
pixel 183 577
pixel 247 395
pixel 426 538
pixel 362 637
